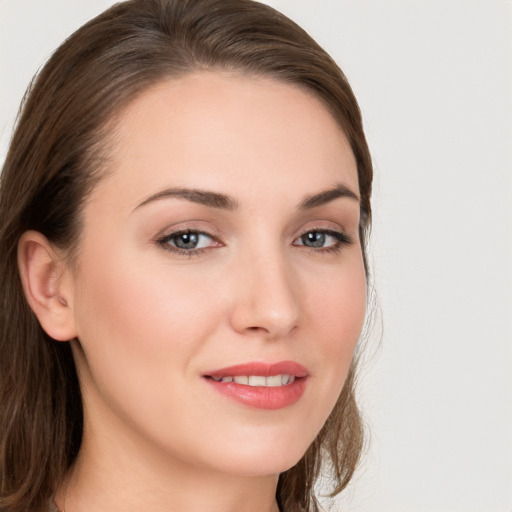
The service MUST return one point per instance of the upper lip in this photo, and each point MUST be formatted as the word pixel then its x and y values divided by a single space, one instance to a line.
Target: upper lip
pixel 261 368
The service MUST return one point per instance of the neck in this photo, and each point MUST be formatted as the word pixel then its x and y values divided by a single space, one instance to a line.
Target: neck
pixel 115 474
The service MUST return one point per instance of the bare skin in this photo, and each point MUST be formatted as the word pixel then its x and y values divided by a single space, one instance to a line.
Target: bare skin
pixel 273 272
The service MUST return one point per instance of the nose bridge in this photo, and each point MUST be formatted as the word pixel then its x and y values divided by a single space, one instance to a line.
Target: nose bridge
pixel 268 300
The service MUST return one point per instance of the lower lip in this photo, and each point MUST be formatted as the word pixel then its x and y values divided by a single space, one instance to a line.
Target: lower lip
pixel 262 397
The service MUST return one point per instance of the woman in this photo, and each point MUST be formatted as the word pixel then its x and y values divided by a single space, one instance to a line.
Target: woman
pixel 183 215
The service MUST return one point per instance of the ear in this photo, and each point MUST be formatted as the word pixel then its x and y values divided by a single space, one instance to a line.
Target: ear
pixel 47 285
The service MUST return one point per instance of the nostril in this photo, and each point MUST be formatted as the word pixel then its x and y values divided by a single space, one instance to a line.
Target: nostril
pixel 256 330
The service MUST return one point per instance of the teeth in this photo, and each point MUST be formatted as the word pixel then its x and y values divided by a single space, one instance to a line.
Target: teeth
pixel 259 380
pixel 255 380
pixel 276 380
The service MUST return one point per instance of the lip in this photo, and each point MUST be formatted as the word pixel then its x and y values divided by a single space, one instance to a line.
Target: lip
pixel 261 368
pixel 261 397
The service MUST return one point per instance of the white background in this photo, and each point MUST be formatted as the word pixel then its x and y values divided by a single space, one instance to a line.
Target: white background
pixel 434 81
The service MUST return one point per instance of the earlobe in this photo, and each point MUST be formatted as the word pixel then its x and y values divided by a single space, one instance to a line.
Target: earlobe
pixel 46 288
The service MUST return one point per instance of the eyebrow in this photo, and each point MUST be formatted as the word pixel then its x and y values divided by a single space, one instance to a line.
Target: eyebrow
pixel 204 197
pixel 315 200
pixel 225 202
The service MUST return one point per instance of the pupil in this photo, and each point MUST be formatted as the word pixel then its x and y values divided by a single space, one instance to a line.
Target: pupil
pixel 186 240
pixel 314 239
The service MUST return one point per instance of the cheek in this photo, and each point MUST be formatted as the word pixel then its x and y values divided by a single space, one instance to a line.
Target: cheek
pixel 337 310
pixel 141 328
pixel 138 328
pixel 132 302
pixel 339 307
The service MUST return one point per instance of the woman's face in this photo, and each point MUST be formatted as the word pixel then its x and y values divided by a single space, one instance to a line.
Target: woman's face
pixel 224 234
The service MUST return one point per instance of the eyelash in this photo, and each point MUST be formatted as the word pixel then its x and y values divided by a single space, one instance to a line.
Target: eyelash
pixel 342 240
pixel 164 242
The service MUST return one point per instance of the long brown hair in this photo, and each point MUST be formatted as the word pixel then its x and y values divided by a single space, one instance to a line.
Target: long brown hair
pixel 56 156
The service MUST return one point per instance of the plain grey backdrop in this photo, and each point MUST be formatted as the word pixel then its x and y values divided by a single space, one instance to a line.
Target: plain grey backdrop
pixel 434 81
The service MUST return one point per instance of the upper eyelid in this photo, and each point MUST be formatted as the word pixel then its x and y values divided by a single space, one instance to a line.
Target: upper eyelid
pixel 209 228
pixel 187 228
pixel 213 233
pixel 330 232
pixel 322 230
pixel 170 235
pixel 330 228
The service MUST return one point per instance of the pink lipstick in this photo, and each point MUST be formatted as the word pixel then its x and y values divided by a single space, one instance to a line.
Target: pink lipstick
pixel 268 386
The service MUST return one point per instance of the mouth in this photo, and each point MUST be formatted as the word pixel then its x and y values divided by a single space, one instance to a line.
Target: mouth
pixel 258 380
pixel 261 385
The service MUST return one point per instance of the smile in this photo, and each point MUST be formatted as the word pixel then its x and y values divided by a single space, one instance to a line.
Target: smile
pixel 258 380
pixel 267 386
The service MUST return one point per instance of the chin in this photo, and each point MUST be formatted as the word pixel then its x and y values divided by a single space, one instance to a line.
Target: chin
pixel 262 458
pixel 276 464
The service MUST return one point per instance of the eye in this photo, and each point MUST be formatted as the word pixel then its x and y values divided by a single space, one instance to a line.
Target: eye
pixel 187 241
pixel 326 239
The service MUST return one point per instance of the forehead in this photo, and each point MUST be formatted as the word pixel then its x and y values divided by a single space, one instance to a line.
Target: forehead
pixel 218 130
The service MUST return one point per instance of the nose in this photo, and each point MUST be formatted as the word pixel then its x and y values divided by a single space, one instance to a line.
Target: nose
pixel 266 302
